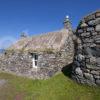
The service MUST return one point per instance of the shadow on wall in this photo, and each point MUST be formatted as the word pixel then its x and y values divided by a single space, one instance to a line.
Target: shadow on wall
pixel 67 70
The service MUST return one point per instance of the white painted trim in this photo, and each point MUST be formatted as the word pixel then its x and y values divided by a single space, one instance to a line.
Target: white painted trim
pixel 33 62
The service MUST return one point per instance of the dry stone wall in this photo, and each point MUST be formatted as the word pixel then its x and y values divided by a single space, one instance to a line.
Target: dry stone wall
pixel 86 65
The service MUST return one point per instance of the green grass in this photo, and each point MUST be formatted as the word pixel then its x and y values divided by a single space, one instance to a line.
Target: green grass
pixel 58 87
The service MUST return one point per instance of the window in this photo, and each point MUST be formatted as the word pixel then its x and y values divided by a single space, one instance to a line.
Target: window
pixel 34 60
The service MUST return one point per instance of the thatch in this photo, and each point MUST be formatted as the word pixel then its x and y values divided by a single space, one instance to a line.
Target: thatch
pixel 49 41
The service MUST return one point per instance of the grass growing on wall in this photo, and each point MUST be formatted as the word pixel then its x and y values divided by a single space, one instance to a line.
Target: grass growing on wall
pixel 58 87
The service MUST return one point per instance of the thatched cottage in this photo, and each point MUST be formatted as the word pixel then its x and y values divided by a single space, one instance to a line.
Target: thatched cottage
pixel 40 56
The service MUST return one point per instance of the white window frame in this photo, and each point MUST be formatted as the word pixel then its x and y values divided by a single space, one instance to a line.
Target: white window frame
pixel 34 60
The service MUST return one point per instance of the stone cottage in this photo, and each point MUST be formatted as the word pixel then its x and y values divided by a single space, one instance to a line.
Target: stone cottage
pixel 40 56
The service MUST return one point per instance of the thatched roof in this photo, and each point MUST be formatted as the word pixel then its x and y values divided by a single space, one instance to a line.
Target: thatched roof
pixel 50 41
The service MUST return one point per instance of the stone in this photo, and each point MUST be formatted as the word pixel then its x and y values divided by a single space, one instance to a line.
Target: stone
pixel 95 72
pixel 96 76
pixel 80 31
pixel 78 71
pixel 92 51
pixel 80 47
pixel 77 63
pixel 90 17
pixel 94 33
pixel 97 21
pixel 97 40
pixel 89 76
pixel 87 60
pixel 98 14
pixel 97 28
pixel 98 61
pixel 98 82
pixel 91 23
pixel 87 40
pixel 88 51
pixel 89 66
pixel 91 83
pixel 83 25
pixel 90 29
pixel 94 22
pixel 80 57
pixel 92 45
pixel 85 34
pixel 75 78
pixel 78 41
pixel 97 36
pixel 93 60
pixel 98 65
pixel 85 70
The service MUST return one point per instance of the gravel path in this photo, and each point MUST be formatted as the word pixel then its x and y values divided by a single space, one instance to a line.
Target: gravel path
pixel 2 82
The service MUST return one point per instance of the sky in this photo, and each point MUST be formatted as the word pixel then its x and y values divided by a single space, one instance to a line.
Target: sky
pixel 40 16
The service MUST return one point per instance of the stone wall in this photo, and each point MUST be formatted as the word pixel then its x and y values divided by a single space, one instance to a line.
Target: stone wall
pixel 86 65
pixel 49 63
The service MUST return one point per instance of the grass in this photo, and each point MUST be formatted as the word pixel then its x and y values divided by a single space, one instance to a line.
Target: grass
pixel 59 87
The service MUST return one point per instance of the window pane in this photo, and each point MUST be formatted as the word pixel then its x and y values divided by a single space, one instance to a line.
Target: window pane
pixel 36 57
pixel 35 63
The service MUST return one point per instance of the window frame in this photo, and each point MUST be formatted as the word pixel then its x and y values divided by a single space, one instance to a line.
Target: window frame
pixel 34 60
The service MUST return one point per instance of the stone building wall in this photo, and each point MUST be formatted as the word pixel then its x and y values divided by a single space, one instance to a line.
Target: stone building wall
pixel 49 63
pixel 86 65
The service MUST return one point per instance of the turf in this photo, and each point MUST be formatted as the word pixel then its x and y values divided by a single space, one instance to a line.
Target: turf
pixel 59 87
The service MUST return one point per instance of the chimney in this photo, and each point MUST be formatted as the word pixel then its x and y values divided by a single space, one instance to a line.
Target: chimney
pixel 23 35
pixel 67 24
